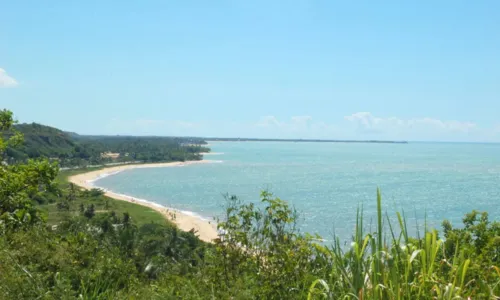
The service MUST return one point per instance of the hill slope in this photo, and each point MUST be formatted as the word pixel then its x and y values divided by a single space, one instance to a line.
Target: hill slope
pixel 41 140
pixel 71 149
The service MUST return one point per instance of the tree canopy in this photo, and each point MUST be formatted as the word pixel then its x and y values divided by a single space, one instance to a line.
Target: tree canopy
pixel 21 182
pixel 71 149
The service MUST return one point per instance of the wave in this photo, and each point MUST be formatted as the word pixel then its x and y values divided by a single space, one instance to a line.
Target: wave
pixel 151 203
pixel 101 176
pixel 193 214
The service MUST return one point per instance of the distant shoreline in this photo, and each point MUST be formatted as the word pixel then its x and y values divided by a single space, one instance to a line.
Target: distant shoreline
pixel 301 140
pixel 206 231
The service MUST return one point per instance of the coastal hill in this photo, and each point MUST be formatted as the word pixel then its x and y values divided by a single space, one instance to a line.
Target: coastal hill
pixel 41 141
pixel 72 149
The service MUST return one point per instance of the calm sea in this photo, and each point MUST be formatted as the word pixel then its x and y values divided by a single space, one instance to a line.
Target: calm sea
pixel 327 182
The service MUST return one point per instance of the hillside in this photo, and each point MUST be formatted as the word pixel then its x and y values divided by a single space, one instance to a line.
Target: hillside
pixel 41 140
pixel 72 149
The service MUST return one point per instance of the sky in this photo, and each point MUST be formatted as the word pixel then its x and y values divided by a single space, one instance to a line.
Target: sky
pixel 416 71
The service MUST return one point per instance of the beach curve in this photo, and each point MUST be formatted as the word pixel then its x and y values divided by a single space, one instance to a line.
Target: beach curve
pixel 206 231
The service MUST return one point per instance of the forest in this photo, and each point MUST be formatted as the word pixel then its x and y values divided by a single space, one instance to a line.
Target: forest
pixel 74 150
pixel 60 242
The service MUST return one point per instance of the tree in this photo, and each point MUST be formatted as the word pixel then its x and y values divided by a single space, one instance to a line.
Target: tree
pixel 19 183
pixel 71 192
pixel 90 211
pixel 63 205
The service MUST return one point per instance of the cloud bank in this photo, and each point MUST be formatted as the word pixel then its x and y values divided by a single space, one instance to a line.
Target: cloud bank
pixel 5 80
pixel 296 127
pixel 151 127
pixel 356 126
pixel 369 122
pixel 365 125
pixel 419 128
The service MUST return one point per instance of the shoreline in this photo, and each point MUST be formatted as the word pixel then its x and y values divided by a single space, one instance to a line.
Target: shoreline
pixel 206 230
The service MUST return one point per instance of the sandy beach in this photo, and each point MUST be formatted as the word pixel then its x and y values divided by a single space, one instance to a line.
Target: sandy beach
pixel 206 231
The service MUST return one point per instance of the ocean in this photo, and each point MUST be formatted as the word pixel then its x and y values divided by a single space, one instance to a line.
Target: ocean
pixel 327 182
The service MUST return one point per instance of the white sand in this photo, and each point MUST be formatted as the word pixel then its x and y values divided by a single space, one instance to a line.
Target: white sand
pixel 206 231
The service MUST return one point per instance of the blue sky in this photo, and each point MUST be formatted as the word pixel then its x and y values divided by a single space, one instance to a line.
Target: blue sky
pixel 420 70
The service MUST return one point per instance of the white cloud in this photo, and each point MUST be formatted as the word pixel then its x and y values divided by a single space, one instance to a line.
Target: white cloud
pixel 268 121
pixel 295 127
pixel 367 122
pixel 148 122
pixel 295 121
pixel 150 127
pixel 357 126
pixel 5 80
pixel 151 123
pixel 364 125
pixel 301 119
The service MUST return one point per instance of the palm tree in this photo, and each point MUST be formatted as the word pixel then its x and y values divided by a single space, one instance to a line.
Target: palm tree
pixel 72 192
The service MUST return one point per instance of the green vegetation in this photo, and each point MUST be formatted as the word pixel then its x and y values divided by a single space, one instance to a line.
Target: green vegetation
pixel 72 150
pixel 100 249
pixel 71 198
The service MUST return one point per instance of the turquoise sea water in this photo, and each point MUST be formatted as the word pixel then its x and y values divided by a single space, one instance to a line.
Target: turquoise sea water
pixel 326 182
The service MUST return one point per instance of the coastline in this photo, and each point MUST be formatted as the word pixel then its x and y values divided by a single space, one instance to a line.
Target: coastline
pixel 206 231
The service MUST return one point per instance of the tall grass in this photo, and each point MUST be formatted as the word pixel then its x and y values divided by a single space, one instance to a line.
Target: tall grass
pixel 400 268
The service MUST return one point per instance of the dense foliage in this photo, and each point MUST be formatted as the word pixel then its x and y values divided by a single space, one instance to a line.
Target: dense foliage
pixel 71 149
pixel 146 149
pixel 19 183
pixel 95 249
